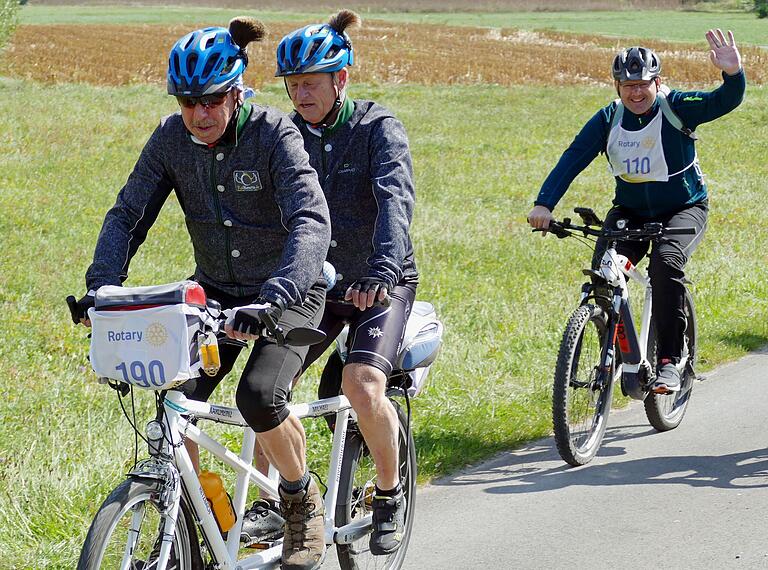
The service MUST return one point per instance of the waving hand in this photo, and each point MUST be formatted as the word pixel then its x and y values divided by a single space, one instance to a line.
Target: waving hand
pixel 723 53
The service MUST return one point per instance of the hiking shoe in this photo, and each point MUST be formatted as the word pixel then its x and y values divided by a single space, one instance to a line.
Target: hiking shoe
pixel 304 539
pixel 262 523
pixel 388 523
pixel 667 378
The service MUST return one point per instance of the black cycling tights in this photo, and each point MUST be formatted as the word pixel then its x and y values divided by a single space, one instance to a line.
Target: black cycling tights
pixel 665 268
pixel 265 385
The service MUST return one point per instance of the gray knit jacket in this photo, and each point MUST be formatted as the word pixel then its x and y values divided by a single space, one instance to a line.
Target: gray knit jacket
pixel 253 207
pixel 365 169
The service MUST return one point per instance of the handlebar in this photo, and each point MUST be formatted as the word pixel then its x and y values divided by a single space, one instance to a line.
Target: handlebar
pixel 297 336
pixel 650 231
pixel 73 310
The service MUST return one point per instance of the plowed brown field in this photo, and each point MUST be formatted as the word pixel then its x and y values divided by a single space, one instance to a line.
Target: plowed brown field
pixel 386 53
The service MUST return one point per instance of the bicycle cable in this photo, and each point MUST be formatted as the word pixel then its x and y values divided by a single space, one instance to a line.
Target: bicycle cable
pixel 132 422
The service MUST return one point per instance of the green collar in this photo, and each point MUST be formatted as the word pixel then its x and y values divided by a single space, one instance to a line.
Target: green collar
pixel 347 108
pixel 245 113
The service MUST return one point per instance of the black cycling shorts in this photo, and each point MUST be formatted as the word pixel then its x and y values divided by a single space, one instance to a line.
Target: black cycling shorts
pixel 375 334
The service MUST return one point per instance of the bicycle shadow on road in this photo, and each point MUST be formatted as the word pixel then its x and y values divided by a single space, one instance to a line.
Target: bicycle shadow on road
pixel 538 468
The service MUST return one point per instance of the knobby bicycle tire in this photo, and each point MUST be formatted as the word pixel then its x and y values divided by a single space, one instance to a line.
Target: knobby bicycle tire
pixel 356 489
pixel 666 411
pixel 105 543
pixel 581 394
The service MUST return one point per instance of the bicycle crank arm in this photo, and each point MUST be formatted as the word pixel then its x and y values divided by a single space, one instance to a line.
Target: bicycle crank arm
pixel 351 532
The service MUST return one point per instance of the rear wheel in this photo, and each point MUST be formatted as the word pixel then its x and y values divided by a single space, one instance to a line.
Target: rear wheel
pixel 356 491
pixel 581 395
pixel 125 532
pixel 666 411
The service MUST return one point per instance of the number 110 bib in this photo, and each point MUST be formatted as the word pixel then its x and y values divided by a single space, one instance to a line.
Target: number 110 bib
pixel 638 156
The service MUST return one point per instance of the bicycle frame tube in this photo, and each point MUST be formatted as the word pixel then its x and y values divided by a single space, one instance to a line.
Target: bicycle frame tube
pixel 617 269
pixel 225 555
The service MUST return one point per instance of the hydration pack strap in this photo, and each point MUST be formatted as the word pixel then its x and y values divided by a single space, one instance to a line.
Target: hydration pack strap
pixel 666 110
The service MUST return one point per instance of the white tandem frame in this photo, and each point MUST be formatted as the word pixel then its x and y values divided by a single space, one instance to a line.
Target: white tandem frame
pixel 225 554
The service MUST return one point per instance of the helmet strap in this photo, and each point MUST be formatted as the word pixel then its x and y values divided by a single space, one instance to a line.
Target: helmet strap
pixel 231 131
pixel 332 115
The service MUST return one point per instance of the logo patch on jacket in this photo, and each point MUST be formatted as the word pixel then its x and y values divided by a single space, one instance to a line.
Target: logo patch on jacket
pixel 347 168
pixel 247 181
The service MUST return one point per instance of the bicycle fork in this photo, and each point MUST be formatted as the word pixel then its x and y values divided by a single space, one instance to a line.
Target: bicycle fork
pixel 168 502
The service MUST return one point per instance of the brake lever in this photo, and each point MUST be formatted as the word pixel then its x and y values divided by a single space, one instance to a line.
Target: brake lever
pixel 275 333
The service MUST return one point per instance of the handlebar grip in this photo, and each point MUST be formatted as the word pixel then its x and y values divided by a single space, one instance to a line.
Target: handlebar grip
pixel 679 231
pixel 74 311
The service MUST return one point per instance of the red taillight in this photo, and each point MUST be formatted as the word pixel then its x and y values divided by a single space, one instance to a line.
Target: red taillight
pixel 195 295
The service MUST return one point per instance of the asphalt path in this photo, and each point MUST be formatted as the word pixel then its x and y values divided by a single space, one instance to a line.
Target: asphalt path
pixel 693 497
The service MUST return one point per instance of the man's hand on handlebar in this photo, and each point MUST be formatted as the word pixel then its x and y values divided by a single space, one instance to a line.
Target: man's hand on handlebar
pixel 364 292
pixel 248 322
pixel 540 218
pixel 79 309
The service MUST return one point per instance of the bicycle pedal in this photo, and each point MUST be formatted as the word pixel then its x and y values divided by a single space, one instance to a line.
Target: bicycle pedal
pixel 261 545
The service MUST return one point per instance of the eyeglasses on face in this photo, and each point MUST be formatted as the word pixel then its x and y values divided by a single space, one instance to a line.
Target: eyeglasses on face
pixel 635 85
pixel 207 101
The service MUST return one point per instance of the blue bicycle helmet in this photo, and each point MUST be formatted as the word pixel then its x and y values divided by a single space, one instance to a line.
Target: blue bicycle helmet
pixel 204 62
pixel 317 48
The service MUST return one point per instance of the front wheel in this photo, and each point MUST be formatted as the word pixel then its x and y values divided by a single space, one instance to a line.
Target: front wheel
pixel 356 491
pixel 666 411
pixel 582 390
pixel 126 532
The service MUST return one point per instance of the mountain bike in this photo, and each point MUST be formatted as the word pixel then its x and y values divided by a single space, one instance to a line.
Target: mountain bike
pixel 159 517
pixel 601 344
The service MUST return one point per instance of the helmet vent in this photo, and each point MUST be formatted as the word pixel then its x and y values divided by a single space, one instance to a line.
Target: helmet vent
pixel 210 65
pixel 191 64
pixel 229 65
pixel 295 48
pixel 313 49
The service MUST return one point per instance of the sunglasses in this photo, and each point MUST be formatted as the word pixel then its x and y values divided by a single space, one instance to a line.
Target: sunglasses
pixel 207 101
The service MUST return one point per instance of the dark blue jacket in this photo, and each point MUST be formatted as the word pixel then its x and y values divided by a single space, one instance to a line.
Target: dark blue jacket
pixel 649 199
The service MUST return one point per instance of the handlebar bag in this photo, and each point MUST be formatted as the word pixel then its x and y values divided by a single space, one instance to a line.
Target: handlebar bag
pixel 147 336
pixel 421 344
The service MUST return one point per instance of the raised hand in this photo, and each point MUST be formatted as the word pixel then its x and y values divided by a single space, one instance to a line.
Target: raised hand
pixel 723 53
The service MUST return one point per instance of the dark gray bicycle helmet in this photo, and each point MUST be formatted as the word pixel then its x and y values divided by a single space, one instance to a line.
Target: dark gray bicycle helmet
pixel 636 64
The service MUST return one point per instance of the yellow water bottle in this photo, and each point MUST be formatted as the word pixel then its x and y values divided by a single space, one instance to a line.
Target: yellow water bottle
pixel 217 497
pixel 209 353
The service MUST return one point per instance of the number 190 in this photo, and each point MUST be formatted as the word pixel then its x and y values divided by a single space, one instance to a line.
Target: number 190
pixel 153 375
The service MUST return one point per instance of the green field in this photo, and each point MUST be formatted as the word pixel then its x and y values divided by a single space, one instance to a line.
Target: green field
pixel 667 25
pixel 503 293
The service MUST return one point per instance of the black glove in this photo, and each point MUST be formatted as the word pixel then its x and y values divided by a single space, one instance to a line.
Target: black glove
pixel 79 309
pixel 252 319
pixel 368 284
